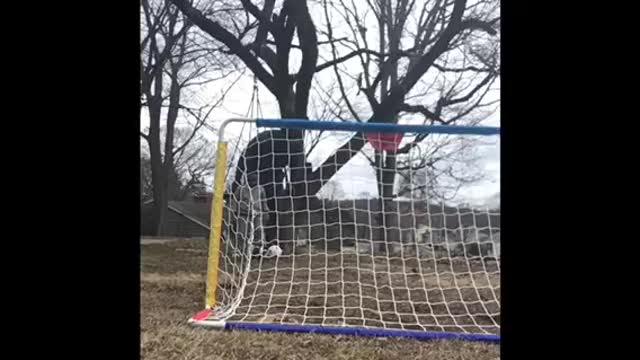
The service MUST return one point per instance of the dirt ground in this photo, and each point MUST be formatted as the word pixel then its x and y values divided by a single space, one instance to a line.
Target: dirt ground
pixel 172 290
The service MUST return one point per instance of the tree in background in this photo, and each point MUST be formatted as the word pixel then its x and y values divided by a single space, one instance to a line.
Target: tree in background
pixel 449 37
pixel 432 58
pixel 423 58
pixel 192 170
pixel 175 63
pixel 438 169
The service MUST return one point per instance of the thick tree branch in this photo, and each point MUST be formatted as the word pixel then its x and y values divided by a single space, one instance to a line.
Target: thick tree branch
pixel 422 110
pixel 221 34
pixel 269 56
pixel 253 10
pixel 345 58
pixel 265 23
pixel 388 64
pixel 309 46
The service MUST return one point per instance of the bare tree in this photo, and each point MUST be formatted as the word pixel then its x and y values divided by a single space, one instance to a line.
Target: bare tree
pixel 194 164
pixel 192 170
pixel 409 50
pixel 437 169
pixel 418 44
pixel 265 41
pixel 416 51
pixel 174 59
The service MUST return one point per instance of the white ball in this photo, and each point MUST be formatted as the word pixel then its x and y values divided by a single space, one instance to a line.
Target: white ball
pixel 274 250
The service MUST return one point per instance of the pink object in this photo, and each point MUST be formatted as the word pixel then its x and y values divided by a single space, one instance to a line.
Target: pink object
pixel 202 315
pixel 385 141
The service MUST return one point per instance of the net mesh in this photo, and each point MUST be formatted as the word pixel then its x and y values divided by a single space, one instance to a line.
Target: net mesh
pixel 410 262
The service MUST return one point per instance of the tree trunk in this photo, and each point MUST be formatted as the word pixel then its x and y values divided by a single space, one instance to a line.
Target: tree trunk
pixel 159 195
pixel 155 155
pixel 388 232
pixel 172 116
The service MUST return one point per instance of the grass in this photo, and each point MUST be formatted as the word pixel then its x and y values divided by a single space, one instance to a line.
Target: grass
pixel 172 289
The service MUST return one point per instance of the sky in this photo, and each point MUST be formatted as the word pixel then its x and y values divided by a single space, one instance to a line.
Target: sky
pixel 357 176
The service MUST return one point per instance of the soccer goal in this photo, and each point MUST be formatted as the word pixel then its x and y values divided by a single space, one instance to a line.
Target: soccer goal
pixel 335 227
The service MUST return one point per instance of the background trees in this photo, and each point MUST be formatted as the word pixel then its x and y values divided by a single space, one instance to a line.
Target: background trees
pixel 408 61
pixel 175 62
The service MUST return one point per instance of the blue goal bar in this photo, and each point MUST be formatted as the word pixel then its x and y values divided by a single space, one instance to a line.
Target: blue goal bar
pixel 394 333
pixel 376 127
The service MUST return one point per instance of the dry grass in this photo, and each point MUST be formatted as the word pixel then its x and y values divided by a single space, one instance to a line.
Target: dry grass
pixel 172 286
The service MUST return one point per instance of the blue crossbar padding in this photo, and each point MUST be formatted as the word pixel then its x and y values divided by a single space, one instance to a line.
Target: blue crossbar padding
pixel 376 127
pixel 420 335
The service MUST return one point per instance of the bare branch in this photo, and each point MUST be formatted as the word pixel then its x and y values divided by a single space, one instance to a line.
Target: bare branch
pixel 335 65
pixel 220 33
pixel 422 110
pixel 477 24
pixel 253 10
pixel 344 58
pixel 468 68
pixel 388 108
pixel 296 46
pixel 484 82
pixel 265 23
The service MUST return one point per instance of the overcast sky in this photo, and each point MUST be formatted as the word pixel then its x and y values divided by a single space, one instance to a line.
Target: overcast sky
pixel 357 176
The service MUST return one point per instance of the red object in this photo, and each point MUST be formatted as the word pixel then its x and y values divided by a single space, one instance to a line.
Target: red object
pixel 388 142
pixel 202 315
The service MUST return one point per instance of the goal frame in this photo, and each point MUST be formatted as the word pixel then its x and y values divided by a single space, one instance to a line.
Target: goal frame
pixel 201 318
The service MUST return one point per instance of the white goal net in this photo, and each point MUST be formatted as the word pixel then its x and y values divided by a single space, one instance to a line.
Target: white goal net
pixel 310 239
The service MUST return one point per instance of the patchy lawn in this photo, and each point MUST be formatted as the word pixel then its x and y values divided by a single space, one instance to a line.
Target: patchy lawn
pixel 172 290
